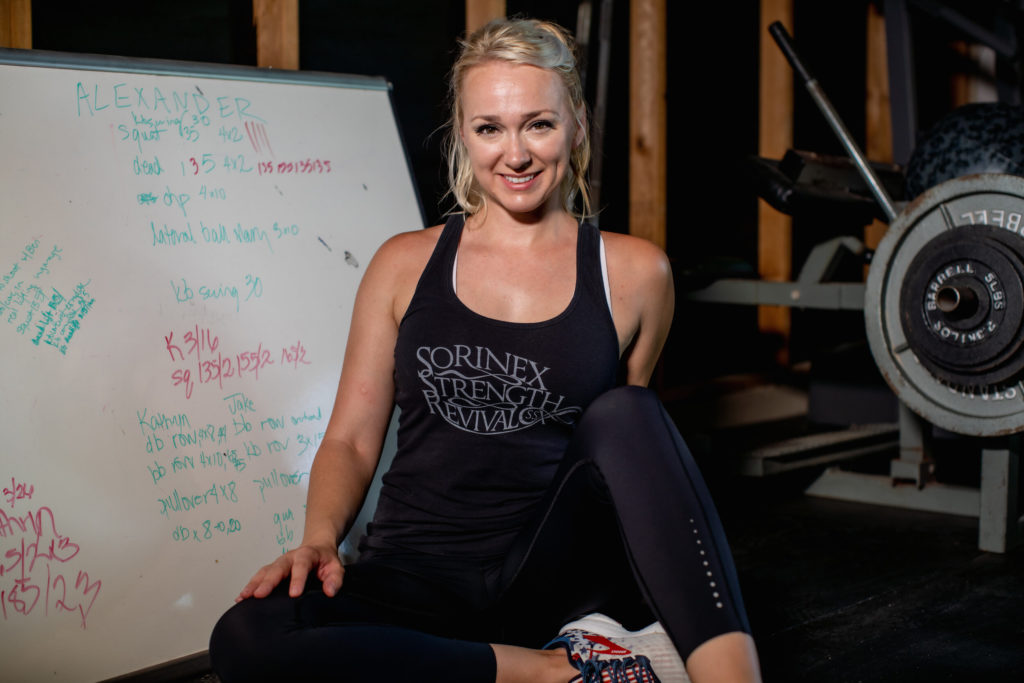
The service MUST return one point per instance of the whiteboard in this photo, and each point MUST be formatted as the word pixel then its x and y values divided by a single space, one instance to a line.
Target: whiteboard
pixel 179 252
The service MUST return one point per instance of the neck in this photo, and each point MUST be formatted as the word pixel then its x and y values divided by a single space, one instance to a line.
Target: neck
pixel 519 229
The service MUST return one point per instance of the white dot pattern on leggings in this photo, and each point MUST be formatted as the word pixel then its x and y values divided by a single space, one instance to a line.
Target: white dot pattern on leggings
pixel 712 584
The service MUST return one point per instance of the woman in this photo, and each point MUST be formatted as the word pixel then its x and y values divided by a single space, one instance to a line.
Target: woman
pixel 508 510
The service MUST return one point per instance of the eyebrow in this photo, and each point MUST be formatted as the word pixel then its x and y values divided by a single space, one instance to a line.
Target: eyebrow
pixel 490 118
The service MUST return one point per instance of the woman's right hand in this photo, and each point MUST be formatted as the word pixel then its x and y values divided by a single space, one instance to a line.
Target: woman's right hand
pixel 298 563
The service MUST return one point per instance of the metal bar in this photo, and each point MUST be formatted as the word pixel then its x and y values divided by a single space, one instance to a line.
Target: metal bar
pixel 999 525
pixel 832 296
pixel 915 461
pixel 769 467
pixel 824 258
pixel 165 67
pixel 877 489
pixel 819 449
pixel 781 37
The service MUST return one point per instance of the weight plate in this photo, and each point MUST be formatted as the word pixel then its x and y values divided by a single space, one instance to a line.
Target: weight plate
pixel 961 307
pixel 944 301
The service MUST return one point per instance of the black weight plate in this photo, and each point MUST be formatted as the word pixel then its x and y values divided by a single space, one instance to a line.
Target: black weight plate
pixel 960 256
pixel 983 349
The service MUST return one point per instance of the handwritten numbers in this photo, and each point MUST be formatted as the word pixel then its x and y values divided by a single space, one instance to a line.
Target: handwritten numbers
pixel 231 134
pixel 205 163
pixel 33 565
pixel 306 166
pixel 207 530
pixel 212 192
pixel 18 491
pixel 294 355
pixel 255 286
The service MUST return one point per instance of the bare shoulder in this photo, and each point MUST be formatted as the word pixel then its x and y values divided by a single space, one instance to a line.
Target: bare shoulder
pixel 636 260
pixel 396 267
pixel 643 299
pixel 407 249
pixel 402 257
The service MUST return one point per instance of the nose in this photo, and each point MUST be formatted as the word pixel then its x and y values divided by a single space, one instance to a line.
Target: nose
pixel 517 155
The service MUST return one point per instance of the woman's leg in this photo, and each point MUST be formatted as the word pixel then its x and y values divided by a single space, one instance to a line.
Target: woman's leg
pixel 351 637
pixel 629 515
pixel 628 523
pixel 524 665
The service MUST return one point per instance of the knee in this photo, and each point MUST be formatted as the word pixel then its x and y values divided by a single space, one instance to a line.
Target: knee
pixel 628 426
pixel 238 646
pixel 622 414
pixel 625 404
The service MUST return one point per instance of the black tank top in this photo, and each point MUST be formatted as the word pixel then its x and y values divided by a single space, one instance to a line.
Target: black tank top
pixel 487 408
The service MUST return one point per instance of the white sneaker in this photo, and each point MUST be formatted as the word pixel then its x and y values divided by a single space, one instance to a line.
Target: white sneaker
pixel 605 652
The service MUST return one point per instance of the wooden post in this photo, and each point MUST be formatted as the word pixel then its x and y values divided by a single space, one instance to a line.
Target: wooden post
pixel 976 84
pixel 16 24
pixel 647 120
pixel 775 136
pixel 479 12
pixel 878 115
pixel 277 33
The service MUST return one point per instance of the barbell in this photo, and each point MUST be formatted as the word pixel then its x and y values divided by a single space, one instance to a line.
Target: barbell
pixel 944 297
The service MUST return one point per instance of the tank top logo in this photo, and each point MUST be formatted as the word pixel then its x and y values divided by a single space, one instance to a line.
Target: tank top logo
pixel 477 390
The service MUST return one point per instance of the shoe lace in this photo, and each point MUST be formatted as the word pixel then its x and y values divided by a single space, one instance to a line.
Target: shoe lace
pixel 625 670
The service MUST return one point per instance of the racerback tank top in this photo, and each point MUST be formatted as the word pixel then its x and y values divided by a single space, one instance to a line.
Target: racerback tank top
pixel 487 409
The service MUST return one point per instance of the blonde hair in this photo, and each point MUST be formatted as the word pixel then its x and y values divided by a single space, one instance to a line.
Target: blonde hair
pixel 520 41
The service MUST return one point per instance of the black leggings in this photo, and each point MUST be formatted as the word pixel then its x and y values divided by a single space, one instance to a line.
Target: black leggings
pixel 628 529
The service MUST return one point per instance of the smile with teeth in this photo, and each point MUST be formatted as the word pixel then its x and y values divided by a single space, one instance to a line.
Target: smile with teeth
pixel 516 180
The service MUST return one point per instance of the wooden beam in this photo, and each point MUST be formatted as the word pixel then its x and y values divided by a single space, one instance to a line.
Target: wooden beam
pixel 277 33
pixel 977 84
pixel 878 116
pixel 16 24
pixel 775 136
pixel 479 12
pixel 647 120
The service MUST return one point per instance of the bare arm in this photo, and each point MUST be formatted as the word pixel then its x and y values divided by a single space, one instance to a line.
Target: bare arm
pixel 643 301
pixel 348 455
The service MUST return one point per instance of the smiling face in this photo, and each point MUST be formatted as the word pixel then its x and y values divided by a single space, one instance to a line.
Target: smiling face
pixel 519 128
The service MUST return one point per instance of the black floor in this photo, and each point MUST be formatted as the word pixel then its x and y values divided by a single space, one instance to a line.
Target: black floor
pixel 847 592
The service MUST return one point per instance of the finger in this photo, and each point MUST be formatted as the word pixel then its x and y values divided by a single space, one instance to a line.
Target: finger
pixel 271 576
pixel 331 575
pixel 300 572
pixel 249 588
